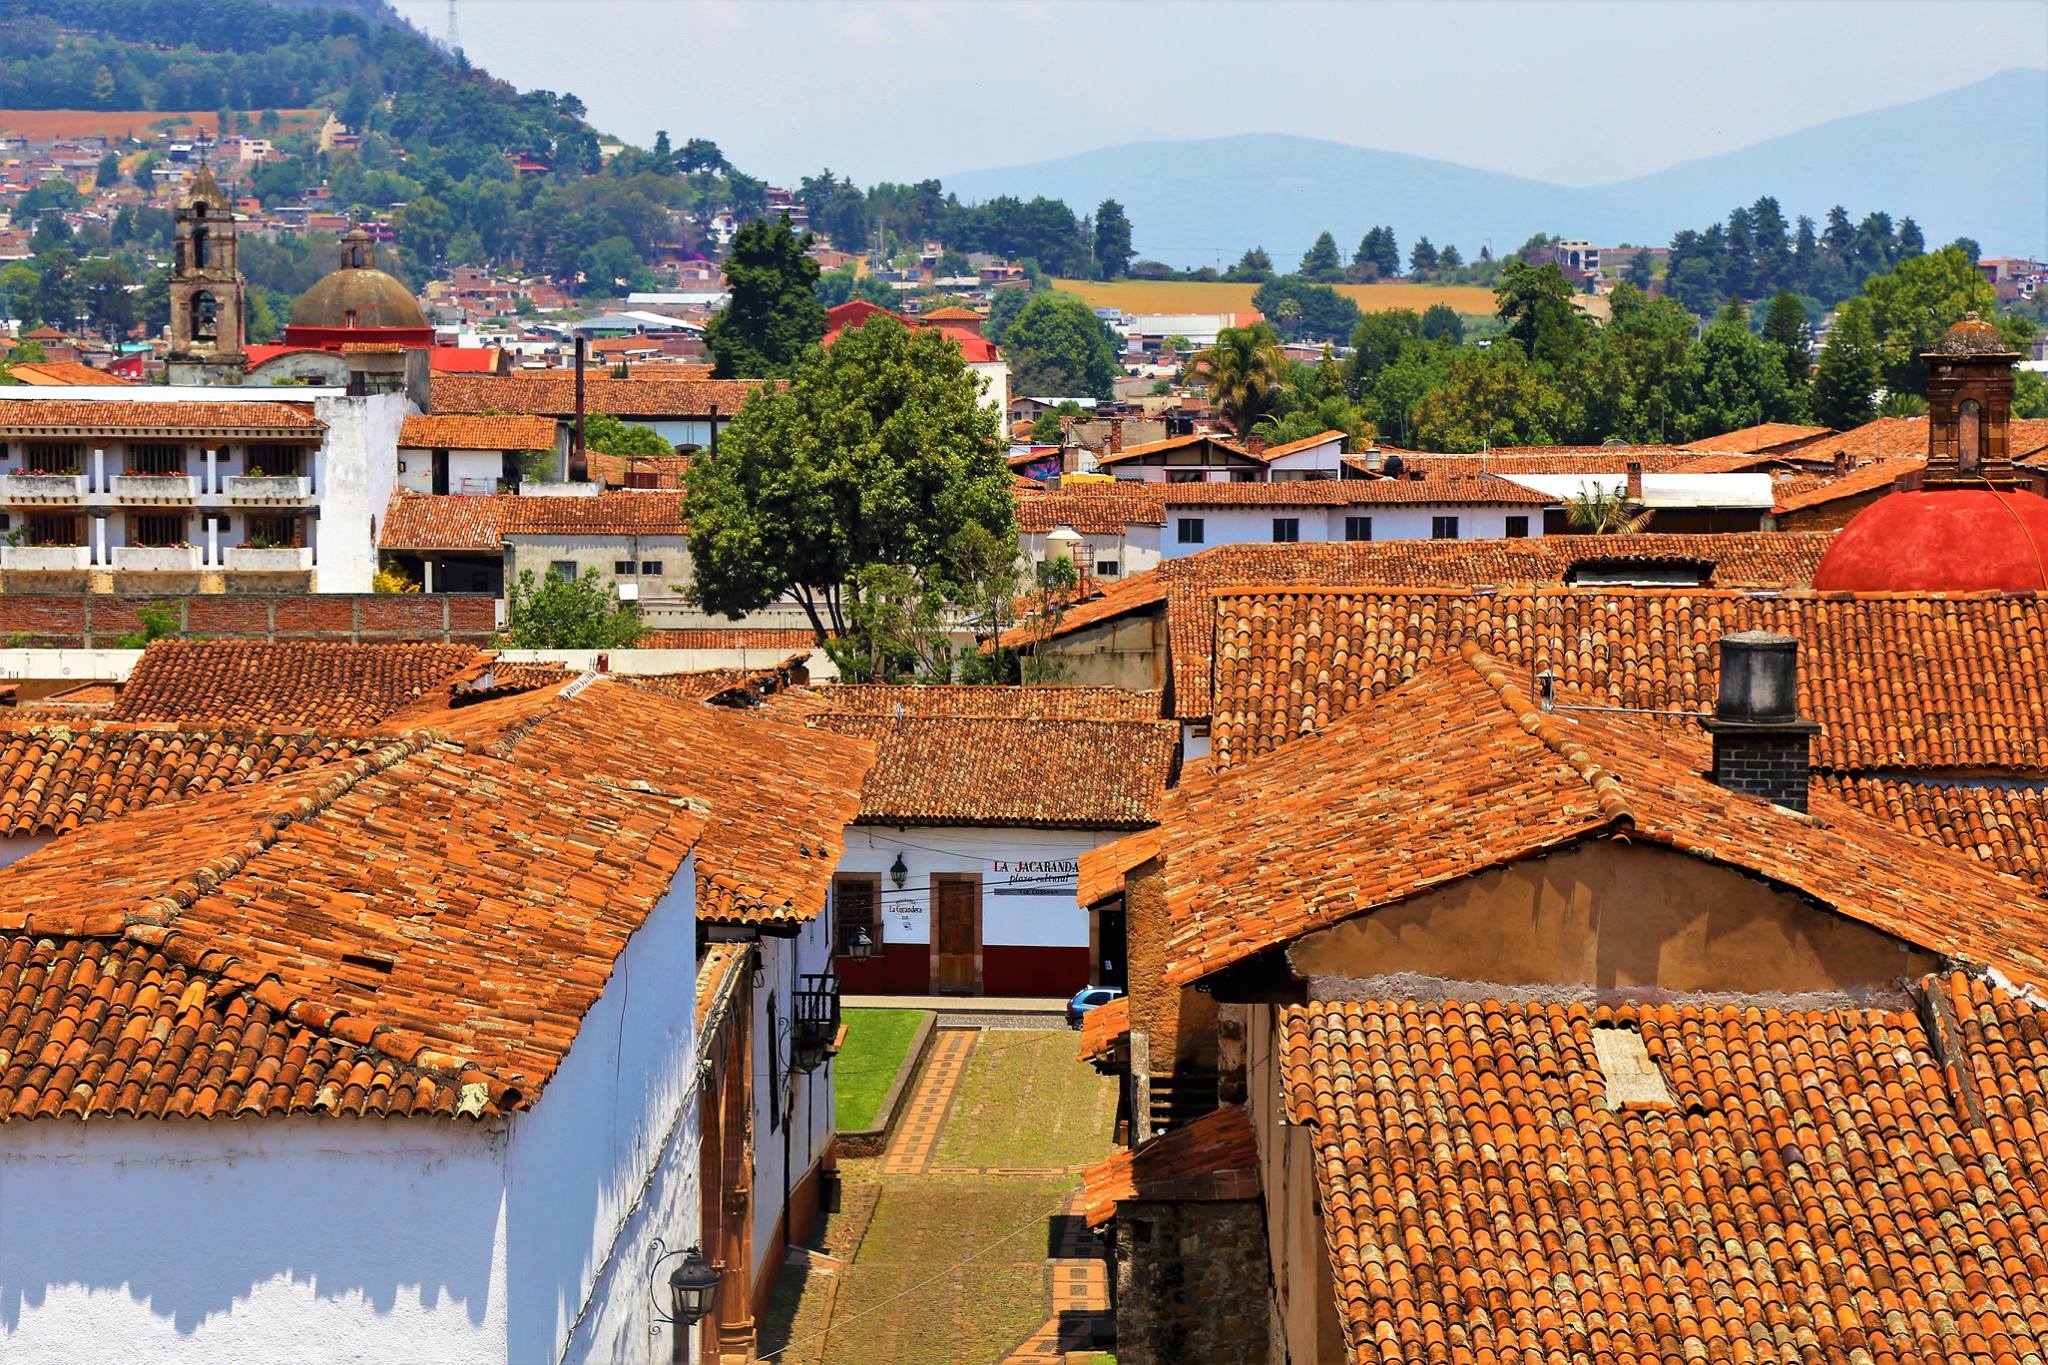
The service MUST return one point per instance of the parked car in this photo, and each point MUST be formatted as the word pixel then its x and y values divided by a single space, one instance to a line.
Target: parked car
pixel 1088 998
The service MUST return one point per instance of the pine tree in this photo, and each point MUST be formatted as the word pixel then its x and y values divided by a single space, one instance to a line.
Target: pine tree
pixel 1112 241
pixel 1422 259
pixel 1450 258
pixel 1845 382
pixel 1785 327
pixel 1911 242
pixel 1806 262
pixel 1322 264
pixel 773 317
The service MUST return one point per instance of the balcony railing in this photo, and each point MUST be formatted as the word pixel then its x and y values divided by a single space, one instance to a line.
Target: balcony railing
pixel 276 559
pixel 154 488
pixel 42 487
pixel 45 558
pixel 268 488
pixel 157 558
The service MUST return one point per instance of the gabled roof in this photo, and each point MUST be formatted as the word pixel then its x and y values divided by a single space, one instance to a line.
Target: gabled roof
pixel 463 432
pixel 1105 599
pixel 1835 1184
pixel 2001 822
pixel 427 521
pixel 1305 443
pixel 1148 449
pixel 1092 510
pixel 122 419
pixel 1478 490
pixel 1457 772
pixel 626 512
pixel 1877 476
pixel 422 925
pixel 1896 681
pixel 1103 1027
pixel 332 688
pixel 1761 438
pixel 1757 558
pixel 67 373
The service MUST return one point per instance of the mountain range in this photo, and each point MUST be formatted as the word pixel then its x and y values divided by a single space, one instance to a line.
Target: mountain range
pixel 1968 162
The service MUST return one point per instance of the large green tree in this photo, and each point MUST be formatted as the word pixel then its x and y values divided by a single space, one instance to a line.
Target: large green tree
pixel 561 613
pixel 1535 301
pixel 1321 264
pixel 1634 380
pixel 1058 348
pixel 878 452
pixel 1112 241
pixel 1787 329
pixel 773 319
pixel 1911 307
pixel 1243 373
pixel 1740 379
pixel 1845 382
pixel 1488 398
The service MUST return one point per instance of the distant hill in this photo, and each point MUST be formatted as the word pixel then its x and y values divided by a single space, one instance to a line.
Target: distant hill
pixel 1969 161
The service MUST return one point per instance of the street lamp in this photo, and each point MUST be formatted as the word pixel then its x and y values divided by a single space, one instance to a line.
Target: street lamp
pixel 860 947
pixel 899 872
pixel 692 1287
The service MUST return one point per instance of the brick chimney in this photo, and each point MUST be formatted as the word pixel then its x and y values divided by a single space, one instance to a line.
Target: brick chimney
pixel 1841 463
pixel 1116 435
pixel 1635 480
pixel 1762 745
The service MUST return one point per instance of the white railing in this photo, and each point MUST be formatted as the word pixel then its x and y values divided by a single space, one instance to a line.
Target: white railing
pixel 42 487
pixel 276 559
pixel 178 488
pixel 268 488
pixel 46 558
pixel 157 558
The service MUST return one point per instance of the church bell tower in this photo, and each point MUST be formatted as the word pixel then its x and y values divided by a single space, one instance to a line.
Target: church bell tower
pixel 209 317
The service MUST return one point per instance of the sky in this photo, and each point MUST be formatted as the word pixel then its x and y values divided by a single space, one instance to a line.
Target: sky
pixel 1577 94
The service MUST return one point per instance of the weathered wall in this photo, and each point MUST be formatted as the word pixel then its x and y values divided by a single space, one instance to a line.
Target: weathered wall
pixel 355 471
pixel 603 554
pixel 96 621
pixel 1127 652
pixel 1614 916
pixel 807 1100
pixel 1179 1024
pixel 1254 525
pixel 1299 1280
pixel 1186 1276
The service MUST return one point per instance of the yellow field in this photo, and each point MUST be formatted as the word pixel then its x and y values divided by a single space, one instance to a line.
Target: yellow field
pixel 42 124
pixel 1191 296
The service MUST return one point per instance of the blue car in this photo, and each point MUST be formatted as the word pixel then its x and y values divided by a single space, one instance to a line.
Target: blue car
pixel 1088 998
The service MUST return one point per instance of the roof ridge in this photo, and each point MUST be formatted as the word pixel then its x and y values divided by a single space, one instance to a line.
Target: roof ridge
pixel 1606 787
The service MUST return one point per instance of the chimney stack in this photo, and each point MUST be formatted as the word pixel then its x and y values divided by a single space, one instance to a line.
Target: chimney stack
pixel 579 455
pixel 1635 480
pixel 1762 745
pixel 1841 463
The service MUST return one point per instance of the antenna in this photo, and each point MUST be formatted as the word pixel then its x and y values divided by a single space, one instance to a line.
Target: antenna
pixel 454 30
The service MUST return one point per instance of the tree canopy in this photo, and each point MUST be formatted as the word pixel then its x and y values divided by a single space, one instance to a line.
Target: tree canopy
pixel 1243 372
pixel 773 319
pixel 1058 348
pixel 1112 241
pixel 559 613
pixel 878 453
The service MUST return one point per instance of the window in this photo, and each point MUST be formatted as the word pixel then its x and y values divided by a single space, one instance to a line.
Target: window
pixel 205 317
pixel 650 566
pixel 859 898
pixel 1443 528
pixel 1189 531
pixel 1105 568
pixel 53 457
pixel 1186 476
pixel 273 532
pixel 1968 424
pixel 277 462
pixel 1518 528
pixel 156 528
pixel 1358 528
pixel 622 568
pixel 564 569
pixel 155 458
pixel 1286 530
pixel 52 528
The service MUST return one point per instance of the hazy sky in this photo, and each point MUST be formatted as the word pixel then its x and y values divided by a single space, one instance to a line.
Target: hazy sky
pixel 1575 93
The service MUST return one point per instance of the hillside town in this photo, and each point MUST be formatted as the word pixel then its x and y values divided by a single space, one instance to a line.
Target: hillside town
pixel 794 791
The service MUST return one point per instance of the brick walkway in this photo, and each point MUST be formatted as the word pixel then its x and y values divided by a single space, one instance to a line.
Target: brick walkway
pixel 917 1132
pixel 1081 1322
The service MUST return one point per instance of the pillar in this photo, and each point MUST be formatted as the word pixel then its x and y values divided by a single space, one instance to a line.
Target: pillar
pixel 98 481
pixel 212 523
pixel 207 482
pixel 426 575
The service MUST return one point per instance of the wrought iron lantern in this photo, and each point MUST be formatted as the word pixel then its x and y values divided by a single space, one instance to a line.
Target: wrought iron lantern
pixel 692 1286
pixel 860 947
pixel 899 872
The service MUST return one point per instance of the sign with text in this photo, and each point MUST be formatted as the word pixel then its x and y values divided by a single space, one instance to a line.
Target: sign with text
pixel 1036 877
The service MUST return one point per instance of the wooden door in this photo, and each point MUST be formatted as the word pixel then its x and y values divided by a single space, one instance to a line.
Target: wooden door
pixel 956 933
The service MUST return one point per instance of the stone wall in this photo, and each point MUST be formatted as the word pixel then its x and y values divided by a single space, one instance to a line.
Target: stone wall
pixel 1190 1282
pixel 91 621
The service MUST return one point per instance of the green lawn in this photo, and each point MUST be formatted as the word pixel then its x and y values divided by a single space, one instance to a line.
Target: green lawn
pixel 876 1043
pixel 1027 1103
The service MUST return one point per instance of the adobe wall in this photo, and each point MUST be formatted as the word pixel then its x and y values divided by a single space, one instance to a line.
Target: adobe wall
pixel 1129 651
pixel 1615 916
pixel 93 621
pixel 1187 1276
pixel 1179 1024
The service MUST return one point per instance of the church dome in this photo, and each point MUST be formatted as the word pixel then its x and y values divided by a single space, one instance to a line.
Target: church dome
pixel 1972 337
pixel 358 295
pixel 1946 540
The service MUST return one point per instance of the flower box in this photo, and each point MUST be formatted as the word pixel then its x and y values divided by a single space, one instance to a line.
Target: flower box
pixel 46 558
pixel 169 488
pixel 267 488
pixel 43 487
pixel 157 558
pixel 275 559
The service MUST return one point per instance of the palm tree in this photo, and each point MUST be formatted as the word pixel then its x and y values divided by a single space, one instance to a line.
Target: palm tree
pixel 1242 372
pixel 1605 511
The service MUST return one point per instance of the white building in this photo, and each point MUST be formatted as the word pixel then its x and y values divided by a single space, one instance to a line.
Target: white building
pixel 142 488
pixel 972 822
pixel 473 455
pixel 1203 515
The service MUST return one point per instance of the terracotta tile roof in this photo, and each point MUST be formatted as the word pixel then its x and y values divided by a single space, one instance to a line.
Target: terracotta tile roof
pixel 1895 681
pixel 1876 476
pixel 256 684
pixel 436 922
pixel 55 778
pixel 1765 436
pixel 1094 510
pixel 1103 1027
pixel 554 395
pixel 1905 438
pixel 1008 703
pixel 1105 599
pixel 1222 443
pixel 714 637
pixel 952 313
pixel 615 471
pixel 1758 558
pixel 626 513
pixel 459 432
pixel 68 373
pixel 1354 492
pixel 1510 461
pixel 1457 771
pixel 119 417
pixel 1816 1192
pixel 1212 1158
pixel 722 686
pixel 426 521
pixel 780 795
pixel 1103 868
pixel 1041 772
pixel 2004 824
pixel 1305 443
pixel 1727 462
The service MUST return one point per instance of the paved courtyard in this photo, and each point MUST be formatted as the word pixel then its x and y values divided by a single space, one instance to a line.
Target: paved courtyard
pixel 960 1245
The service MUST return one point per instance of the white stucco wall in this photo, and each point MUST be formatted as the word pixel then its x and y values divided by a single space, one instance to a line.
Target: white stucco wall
pixel 1254 526
pixel 469 471
pixel 1135 551
pixel 323 1239
pixel 355 472
pixel 1026 901
pixel 784 962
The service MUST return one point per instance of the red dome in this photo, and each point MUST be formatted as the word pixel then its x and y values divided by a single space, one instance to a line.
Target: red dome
pixel 1948 540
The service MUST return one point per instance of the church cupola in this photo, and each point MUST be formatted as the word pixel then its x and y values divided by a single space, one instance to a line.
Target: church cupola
pixel 1969 402
pixel 208 312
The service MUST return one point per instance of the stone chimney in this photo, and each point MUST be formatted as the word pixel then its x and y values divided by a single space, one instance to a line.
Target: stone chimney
pixel 1762 745
pixel 1841 463
pixel 1635 480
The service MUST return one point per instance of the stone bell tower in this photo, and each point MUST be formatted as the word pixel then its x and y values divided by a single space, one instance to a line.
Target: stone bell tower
pixel 1969 408
pixel 209 317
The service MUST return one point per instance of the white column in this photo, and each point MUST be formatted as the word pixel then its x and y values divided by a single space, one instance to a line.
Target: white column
pixel 101 555
pixel 426 575
pixel 212 530
pixel 209 484
pixel 99 470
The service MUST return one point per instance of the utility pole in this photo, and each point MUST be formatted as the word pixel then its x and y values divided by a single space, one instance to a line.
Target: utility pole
pixel 454 30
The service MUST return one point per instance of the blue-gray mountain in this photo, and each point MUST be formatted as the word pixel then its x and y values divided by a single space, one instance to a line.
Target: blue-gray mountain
pixel 1972 161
